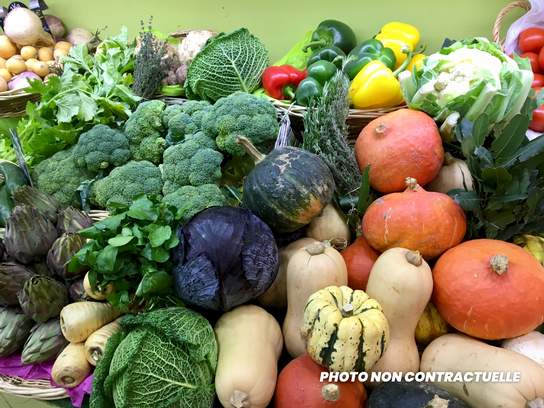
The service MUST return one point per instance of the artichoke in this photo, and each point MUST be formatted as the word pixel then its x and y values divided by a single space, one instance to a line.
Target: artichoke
pixel 72 220
pixel 62 251
pixel 46 204
pixel 42 298
pixel 77 291
pixel 45 343
pixel 12 279
pixel 15 327
pixel 28 234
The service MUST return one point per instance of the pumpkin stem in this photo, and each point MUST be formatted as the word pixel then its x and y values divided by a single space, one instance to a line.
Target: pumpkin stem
pixel 411 183
pixel 330 392
pixel 341 244
pixel 239 399
pixel 316 248
pixel 437 402
pixel 381 128
pixel 448 159
pixel 347 310
pixel 499 263
pixel 414 257
pixel 251 150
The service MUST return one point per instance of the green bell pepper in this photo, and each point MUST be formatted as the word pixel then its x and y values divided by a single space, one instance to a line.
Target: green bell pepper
pixel 332 32
pixel 322 71
pixel 368 51
pixel 332 54
pixel 307 89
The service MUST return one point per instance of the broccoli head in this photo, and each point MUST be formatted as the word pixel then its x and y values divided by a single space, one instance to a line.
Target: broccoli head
pixel 123 183
pixel 100 148
pixel 151 148
pixel 194 162
pixel 241 114
pixel 185 120
pixel 146 123
pixel 60 176
pixel 197 198
pixel 169 113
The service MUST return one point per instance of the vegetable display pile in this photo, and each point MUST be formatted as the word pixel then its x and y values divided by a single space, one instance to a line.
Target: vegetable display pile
pixel 192 252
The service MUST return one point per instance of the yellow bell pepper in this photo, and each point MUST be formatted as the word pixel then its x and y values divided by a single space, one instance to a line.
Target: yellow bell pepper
pixel 394 35
pixel 409 31
pixel 416 62
pixel 376 86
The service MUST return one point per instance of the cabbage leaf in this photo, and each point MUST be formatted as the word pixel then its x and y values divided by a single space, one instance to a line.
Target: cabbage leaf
pixel 165 358
pixel 226 64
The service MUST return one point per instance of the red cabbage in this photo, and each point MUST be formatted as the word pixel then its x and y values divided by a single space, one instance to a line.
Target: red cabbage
pixel 226 257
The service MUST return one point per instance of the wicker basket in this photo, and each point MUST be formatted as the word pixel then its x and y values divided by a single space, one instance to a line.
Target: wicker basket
pixel 497 27
pixel 36 389
pixel 13 103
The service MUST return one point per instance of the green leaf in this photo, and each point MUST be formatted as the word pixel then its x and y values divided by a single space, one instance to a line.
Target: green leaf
pixel 526 152
pixel 501 220
pixel 364 191
pixel 171 242
pixel 143 210
pixel 105 261
pixel 468 200
pixel 480 130
pixel 160 254
pixel 159 235
pixel 111 223
pixel 154 282
pixel 534 200
pixel 68 107
pixel 509 198
pixel 496 175
pixel 120 241
pixel 511 138
pixel 146 252
pixel 484 154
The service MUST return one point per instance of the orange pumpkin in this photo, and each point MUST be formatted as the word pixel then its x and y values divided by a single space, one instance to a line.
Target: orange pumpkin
pixel 359 258
pixel 415 219
pixel 299 386
pixel 489 289
pixel 404 143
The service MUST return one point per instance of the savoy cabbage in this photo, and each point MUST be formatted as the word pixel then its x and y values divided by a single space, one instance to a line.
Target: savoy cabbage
pixel 162 359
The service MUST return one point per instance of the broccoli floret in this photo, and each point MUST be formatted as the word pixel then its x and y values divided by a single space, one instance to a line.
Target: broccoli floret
pixel 151 149
pixel 186 122
pixel 100 148
pixel 146 123
pixel 190 107
pixel 124 182
pixel 60 176
pixel 194 162
pixel 169 113
pixel 198 198
pixel 241 114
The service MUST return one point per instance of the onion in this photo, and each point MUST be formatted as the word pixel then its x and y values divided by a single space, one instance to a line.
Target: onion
pixel 23 26
pixel 21 81
pixel 79 36
pixel 55 25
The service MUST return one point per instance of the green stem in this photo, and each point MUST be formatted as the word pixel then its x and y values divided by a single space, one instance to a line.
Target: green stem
pixel 405 50
pixel 421 49
pixel 288 91
pixel 314 44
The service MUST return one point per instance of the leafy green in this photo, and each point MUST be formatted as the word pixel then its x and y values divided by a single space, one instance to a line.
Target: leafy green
pixel 90 91
pixel 165 359
pixel 227 63
pixel 132 249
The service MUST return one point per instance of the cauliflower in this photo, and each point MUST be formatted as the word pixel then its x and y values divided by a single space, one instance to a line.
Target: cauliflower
pixel 192 44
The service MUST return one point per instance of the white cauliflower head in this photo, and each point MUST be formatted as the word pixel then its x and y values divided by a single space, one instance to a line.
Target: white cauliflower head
pixel 192 44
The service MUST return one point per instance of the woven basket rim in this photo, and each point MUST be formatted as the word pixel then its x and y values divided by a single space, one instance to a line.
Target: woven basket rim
pixel 297 110
pixel 37 389
pixel 497 26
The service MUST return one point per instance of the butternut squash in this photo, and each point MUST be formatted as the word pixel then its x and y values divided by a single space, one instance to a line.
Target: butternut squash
pixel 310 269
pixel 276 295
pixel 402 283
pixel 460 354
pixel 328 225
pixel 250 344
pixel 451 175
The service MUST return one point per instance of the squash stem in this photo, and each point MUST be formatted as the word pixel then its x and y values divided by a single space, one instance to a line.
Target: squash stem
pixel 251 150
pixel 340 245
pixel 315 248
pixel 239 399
pixel 330 392
pixel 381 128
pixel 448 159
pixel 411 183
pixel 347 310
pixel 437 402
pixel 414 257
pixel 499 263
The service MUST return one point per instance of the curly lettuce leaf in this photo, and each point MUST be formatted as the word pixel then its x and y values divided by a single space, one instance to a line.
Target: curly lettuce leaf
pixel 226 64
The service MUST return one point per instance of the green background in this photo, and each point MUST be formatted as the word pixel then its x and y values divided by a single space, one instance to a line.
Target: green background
pixel 279 24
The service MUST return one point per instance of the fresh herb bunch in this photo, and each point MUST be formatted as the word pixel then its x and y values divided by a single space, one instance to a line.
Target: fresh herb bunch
pixel 508 174
pixel 326 132
pixel 131 248
pixel 151 64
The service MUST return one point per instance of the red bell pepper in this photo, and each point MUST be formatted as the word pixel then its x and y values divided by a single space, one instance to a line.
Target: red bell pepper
pixel 280 82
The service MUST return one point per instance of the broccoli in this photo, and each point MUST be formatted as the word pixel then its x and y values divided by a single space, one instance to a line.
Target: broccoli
pixel 143 129
pixel 198 198
pixel 194 162
pixel 100 148
pixel 241 114
pixel 185 120
pixel 60 176
pixel 124 182
pixel 169 113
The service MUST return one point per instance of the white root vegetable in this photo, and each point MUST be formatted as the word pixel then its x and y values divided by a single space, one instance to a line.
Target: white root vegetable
pixel 96 343
pixel 79 320
pixel 79 36
pixel 97 294
pixel 55 25
pixel 23 26
pixel 71 368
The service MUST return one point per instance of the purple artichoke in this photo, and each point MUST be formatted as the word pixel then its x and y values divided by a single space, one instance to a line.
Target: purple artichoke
pixel 46 204
pixel 13 276
pixel 62 251
pixel 15 327
pixel 45 343
pixel 71 219
pixel 42 298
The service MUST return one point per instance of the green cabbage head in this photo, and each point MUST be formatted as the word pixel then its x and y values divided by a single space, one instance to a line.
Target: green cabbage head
pixel 161 359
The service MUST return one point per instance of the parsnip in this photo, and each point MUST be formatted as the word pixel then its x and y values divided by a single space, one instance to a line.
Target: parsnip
pixel 96 343
pixel 97 294
pixel 71 368
pixel 79 320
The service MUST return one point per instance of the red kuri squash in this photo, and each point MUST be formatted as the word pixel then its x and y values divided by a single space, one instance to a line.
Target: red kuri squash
pixel 359 258
pixel 299 386
pixel 403 143
pixel 415 219
pixel 489 289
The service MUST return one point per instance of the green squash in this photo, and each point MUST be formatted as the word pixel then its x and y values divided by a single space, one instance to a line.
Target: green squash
pixel 288 188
